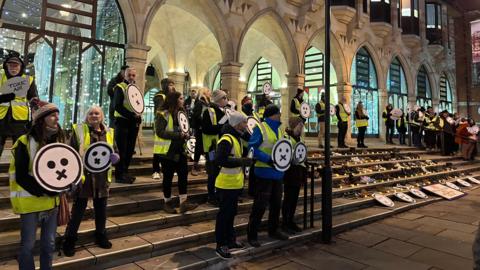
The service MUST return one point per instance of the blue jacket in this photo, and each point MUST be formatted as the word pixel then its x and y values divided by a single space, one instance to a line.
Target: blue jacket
pixel 255 141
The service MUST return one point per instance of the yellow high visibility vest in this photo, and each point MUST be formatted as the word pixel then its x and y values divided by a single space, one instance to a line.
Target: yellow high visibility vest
pixel 231 178
pixel 22 201
pixel 162 145
pixel 20 108
pixel 261 110
pixel 269 138
pixel 126 104
pixel 83 139
pixel 322 107
pixel 297 106
pixel 208 139
pixel 343 113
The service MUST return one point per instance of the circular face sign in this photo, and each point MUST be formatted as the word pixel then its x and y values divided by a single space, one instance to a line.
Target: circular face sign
pixel 473 180
pixel 452 185
pixel 56 166
pixel 282 154
pixel 300 153
pixel 249 155
pixel 267 88
pixel 252 122
pixel 383 200
pixel 404 197
pixel 418 193
pixel 347 108
pixel 97 157
pixel 464 183
pixel 191 145
pixel 305 110
pixel 332 109
pixel 474 130
pixel 135 98
pixel 183 122
pixel 396 114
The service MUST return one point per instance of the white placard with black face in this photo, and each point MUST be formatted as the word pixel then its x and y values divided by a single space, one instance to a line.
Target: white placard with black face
pixel 135 98
pixel 305 110
pixel 332 110
pixel 464 183
pixel 300 153
pixel 282 154
pixel 183 122
pixel 473 180
pixel 404 197
pixel 97 157
pixel 249 155
pixel 396 114
pixel 384 200
pixel 191 145
pixel 452 185
pixel 418 193
pixel 17 85
pixel 57 166
pixel 267 88
pixel 252 122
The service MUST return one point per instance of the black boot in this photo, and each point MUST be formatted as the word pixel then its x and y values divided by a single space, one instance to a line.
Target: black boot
pixel 102 241
pixel 68 246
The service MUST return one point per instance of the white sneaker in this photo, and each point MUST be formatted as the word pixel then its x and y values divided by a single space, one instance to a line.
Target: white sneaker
pixel 156 176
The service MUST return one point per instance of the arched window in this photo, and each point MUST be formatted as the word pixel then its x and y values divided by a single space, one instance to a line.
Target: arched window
pixel 365 89
pixel 397 86
pixel 445 95
pixel 217 83
pixel 73 49
pixel 261 73
pixel 314 84
pixel 149 113
pixel 424 92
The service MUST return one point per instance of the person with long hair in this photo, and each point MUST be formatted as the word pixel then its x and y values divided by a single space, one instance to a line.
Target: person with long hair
pixel 389 123
pixel 170 145
pixel 203 100
pixel 110 91
pixel 93 185
pixel 35 205
pixel 361 122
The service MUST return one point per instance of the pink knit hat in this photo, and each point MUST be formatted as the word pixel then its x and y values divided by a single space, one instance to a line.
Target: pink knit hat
pixel 41 109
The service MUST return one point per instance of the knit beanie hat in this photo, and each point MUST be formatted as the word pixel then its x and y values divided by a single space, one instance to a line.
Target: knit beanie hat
pixel 294 121
pixel 270 110
pixel 299 90
pixel 218 95
pixel 236 118
pixel 41 109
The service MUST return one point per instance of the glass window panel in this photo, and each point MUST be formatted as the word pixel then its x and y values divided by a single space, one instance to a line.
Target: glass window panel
pixel 439 16
pixel 24 13
pixel 72 4
pixel 148 114
pixel 217 83
pixel 406 8
pixel 11 42
pixel 65 84
pixel 431 16
pixel 113 63
pixel 109 22
pixel 90 82
pixel 415 8
pixel 40 53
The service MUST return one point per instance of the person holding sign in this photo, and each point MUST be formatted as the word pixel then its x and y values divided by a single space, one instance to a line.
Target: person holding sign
pixel 389 123
pixel 342 111
pixel 127 123
pixel 14 98
pixel 35 204
pixel 229 182
pixel 170 143
pixel 361 122
pixel 94 185
pixel 296 103
pixel 268 186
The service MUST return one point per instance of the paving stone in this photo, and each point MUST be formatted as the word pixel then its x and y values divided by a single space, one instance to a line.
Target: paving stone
pixel 456 235
pixel 441 260
pixel 461 218
pixel 313 258
pixel 362 237
pixel 390 231
pixel 172 261
pixel 446 245
pixel 396 247
pixel 400 223
pixel 447 224
pixel 130 266
pixel 409 216
pixel 429 229
pixel 294 266
pixel 270 262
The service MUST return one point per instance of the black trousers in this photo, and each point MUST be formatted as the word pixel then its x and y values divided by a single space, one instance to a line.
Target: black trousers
pixel 78 210
pixel 416 136
pixel 156 163
pixel 268 192
pixel 169 167
pixel 125 138
pixel 361 136
pixel 430 138
pixel 448 145
pixel 401 137
pixel 227 204
pixel 198 145
pixel 342 131
pixel 389 131
pixel 290 200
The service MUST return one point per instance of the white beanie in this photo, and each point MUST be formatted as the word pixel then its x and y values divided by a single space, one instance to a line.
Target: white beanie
pixel 236 118
pixel 218 95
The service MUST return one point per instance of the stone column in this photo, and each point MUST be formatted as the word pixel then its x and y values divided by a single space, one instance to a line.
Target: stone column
pixel 230 74
pixel 179 79
pixel 394 15
pixel 345 90
pixel 422 22
pixel 293 83
pixel 382 104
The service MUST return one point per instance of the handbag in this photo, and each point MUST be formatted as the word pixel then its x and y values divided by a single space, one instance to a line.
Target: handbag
pixel 63 210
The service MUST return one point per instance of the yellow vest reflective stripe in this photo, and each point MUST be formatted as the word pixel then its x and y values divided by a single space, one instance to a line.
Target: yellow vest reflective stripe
pixel 261 110
pixel 126 104
pixel 231 178
pixel 322 107
pixel 20 108
pixel 297 106
pixel 208 139
pixel 162 145
pixel 22 201
pixel 399 121
pixel 343 113
pixel 269 138
pixel 430 122
pixel 83 139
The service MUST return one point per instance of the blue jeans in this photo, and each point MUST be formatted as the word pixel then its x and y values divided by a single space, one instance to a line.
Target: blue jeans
pixel 48 223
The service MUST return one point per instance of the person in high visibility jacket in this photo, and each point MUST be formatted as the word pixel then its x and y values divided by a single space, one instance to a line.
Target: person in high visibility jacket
pixel 320 110
pixel 297 102
pixel 170 144
pixel 14 110
pixel 93 185
pixel 342 124
pixel 34 204
pixel 201 104
pixel 229 182
pixel 389 123
pixel 447 133
pixel 263 101
pixel 361 122
pixel 294 178
pixel 430 129
pixel 211 127
pixel 120 77
pixel 127 124
pixel 268 184
pixel 416 120
pixel 402 128
pixel 247 108
pixel 167 86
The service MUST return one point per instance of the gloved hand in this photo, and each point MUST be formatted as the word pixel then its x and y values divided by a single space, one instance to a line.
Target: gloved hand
pixel 7 97
pixel 247 162
pixel 114 158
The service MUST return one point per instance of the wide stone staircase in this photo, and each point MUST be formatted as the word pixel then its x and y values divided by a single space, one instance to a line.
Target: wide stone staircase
pixel 146 237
